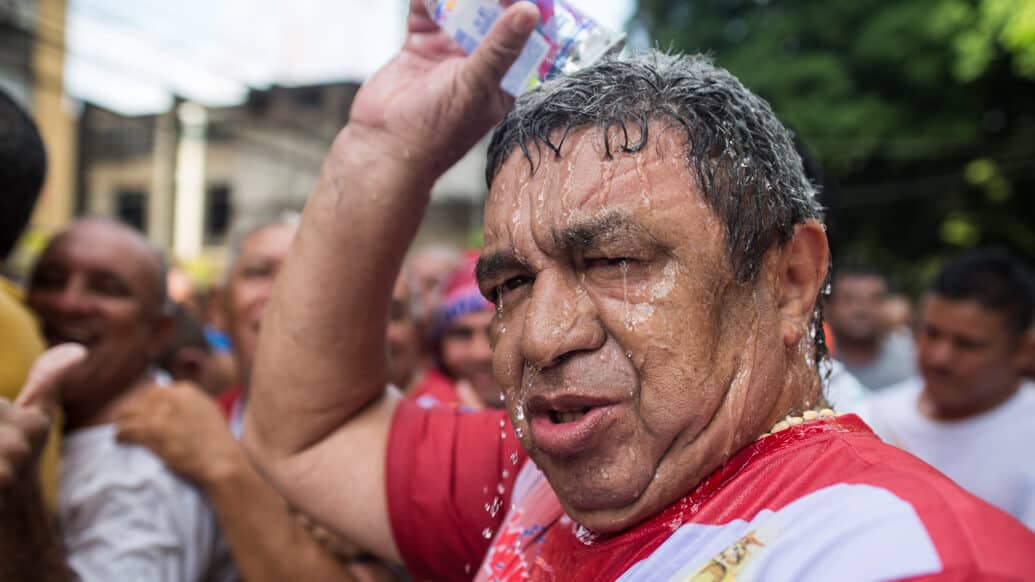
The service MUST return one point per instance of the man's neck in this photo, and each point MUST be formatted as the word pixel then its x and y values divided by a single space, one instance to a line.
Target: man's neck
pixel 96 414
pixel 934 410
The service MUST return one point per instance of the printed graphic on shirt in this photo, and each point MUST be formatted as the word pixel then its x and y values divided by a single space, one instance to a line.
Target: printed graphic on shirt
pixel 730 561
pixel 837 528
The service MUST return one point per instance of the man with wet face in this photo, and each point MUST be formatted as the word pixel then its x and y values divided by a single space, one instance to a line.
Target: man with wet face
pixel 123 514
pixel 655 256
pixel 970 413
pixel 866 346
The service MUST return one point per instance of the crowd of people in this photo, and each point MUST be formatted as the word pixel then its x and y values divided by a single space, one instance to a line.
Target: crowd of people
pixel 642 374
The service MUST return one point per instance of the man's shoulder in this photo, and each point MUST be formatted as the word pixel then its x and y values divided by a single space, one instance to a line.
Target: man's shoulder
pixel 95 465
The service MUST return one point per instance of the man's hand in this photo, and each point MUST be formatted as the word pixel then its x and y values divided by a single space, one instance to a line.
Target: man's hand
pixel 24 425
pixel 432 102
pixel 184 426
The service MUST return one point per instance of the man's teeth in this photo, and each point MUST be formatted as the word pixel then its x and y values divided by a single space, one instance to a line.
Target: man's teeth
pixel 564 417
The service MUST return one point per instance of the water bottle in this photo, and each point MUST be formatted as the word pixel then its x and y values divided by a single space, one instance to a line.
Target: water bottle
pixel 564 41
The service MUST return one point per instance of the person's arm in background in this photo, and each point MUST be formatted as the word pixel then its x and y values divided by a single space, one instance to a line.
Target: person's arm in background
pixel 186 429
pixel 29 546
pixel 319 415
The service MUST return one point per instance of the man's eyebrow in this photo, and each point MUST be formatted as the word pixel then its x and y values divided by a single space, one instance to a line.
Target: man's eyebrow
pixel 492 265
pixel 589 232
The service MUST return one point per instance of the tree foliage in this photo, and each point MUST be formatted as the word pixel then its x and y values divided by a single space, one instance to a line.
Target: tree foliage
pixel 920 112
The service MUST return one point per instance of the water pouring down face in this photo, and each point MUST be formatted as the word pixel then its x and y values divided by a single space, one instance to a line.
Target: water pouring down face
pixel 626 326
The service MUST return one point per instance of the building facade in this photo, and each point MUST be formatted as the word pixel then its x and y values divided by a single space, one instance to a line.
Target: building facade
pixel 186 177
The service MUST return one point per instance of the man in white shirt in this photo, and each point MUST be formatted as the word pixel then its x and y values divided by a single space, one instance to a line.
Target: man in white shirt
pixel 875 355
pixel 123 514
pixel 971 414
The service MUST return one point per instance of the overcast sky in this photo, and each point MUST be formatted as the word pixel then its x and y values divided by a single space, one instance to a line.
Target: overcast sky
pixel 132 56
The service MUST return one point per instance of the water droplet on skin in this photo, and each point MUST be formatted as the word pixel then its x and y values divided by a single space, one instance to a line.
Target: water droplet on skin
pixel 625 294
pixel 520 413
pixel 501 489
pixel 503 434
pixel 487 533
pixel 494 508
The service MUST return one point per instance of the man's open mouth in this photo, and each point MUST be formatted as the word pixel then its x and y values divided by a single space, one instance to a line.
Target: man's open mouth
pixel 558 417
pixel 569 424
pixel 64 334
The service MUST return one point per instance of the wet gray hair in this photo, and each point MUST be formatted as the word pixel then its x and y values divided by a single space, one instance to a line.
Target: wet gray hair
pixel 744 160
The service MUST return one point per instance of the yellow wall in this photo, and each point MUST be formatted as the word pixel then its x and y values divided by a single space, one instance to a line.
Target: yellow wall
pixel 56 122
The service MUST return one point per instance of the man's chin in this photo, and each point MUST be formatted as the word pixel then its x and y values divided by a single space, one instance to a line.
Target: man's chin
pixel 604 506
pixel 605 520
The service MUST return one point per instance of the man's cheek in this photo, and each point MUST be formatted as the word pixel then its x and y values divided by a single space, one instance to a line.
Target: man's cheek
pixel 506 365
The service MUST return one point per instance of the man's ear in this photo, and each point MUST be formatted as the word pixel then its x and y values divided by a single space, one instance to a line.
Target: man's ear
pixel 164 327
pixel 801 271
pixel 188 365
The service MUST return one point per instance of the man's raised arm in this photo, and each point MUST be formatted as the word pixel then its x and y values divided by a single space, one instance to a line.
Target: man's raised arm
pixel 319 415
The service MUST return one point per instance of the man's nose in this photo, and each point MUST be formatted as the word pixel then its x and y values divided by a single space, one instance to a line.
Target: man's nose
pixel 561 320
pixel 938 353
pixel 73 297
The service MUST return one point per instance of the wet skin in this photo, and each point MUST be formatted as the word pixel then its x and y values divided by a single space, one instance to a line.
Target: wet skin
pixel 632 363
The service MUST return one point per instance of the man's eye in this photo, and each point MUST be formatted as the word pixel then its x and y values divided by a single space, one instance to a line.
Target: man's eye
pixel 609 263
pixel 48 279
pixel 509 285
pixel 257 272
pixel 111 286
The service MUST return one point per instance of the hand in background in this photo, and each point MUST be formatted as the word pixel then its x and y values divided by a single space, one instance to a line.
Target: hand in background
pixel 25 423
pixel 184 427
pixel 432 102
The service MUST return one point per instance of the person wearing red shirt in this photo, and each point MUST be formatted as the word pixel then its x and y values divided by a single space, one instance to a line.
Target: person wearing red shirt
pixel 655 254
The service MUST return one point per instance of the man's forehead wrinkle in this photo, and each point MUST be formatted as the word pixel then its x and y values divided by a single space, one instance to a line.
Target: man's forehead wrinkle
pixel 611 224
